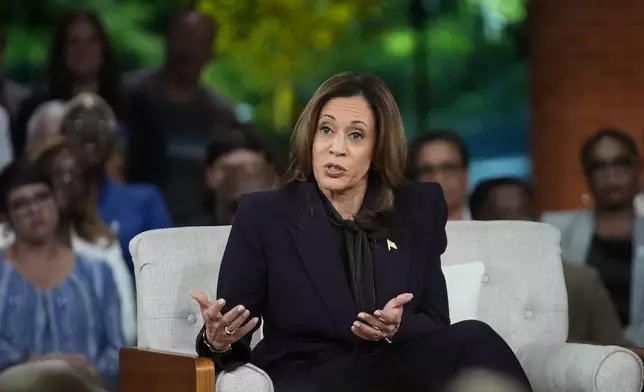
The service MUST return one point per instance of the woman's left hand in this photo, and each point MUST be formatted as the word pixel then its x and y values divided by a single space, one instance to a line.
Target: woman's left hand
pixel 383 324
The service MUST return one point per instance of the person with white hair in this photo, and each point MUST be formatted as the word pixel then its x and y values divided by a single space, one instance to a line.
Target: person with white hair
pixel 43 124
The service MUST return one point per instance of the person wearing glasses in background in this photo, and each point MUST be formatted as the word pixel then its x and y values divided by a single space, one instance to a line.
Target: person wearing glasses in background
pixel 442 157
pixel 610 237
pixel 592 316
pixel 54 303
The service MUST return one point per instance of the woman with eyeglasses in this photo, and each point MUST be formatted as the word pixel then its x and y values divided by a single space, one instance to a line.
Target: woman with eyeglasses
pixel 610 236
pixel 54 304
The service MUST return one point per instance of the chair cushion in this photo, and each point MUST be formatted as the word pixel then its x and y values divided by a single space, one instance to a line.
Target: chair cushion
pixel 523 295
pixel 463 288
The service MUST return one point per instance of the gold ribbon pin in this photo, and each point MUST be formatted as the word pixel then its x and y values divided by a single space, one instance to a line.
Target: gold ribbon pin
pixel 391 245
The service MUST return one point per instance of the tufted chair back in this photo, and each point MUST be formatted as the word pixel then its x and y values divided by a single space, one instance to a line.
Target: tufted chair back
pixel 523 294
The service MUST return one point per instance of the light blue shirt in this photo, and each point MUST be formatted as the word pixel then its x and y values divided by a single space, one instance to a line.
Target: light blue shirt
pixel 81 315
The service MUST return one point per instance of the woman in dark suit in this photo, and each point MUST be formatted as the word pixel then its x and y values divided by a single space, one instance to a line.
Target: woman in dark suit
pixel 343 263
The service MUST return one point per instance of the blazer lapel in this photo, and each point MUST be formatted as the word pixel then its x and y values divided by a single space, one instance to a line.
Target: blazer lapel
pixel 318 247
pixel 392 259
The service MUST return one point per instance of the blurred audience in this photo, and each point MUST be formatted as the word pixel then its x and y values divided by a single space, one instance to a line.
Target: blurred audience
pixel 90 237
pixel 6 151
pixel 237 182
pixel 81 60
pixel 11 93
pixel 174 115
pixel 608 236
pixel 90 128
pixel 48 376
pixel 592 316
pixel 237 164
pixel 43 125
pixel 54 304
pixel 442 157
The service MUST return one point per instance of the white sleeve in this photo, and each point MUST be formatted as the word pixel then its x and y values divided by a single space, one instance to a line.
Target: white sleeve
pixel 125 288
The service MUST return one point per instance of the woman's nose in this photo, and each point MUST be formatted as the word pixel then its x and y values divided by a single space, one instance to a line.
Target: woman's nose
pixel 338 145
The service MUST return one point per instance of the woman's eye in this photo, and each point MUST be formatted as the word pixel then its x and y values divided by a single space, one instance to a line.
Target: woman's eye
pixel 356 135
pixel 325 129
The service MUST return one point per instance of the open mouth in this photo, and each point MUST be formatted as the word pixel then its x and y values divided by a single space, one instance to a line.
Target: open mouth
pixel 334 168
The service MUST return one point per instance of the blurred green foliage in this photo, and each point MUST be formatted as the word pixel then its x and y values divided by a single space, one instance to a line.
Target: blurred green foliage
pixel 272 54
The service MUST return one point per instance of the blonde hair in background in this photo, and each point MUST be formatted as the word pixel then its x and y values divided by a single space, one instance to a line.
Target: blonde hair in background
pixel 85 219
pixel 390 152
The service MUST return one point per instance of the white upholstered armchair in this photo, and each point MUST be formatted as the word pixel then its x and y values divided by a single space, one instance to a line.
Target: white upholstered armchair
pixel 523 297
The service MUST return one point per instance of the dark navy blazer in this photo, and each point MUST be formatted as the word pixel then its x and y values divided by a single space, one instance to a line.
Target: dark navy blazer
pixel 283 262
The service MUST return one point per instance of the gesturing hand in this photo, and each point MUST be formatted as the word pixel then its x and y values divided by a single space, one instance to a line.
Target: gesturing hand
pixel 383 324
pixel 222 330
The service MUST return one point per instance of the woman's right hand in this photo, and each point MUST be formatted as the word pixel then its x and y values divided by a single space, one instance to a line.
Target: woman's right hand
pixel 222 330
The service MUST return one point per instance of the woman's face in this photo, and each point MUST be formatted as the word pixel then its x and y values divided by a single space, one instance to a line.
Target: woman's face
pixel 343 144
pixel 32 212
pixel 91 136
pixel 613 174
pixel 67 178
pixel 83 49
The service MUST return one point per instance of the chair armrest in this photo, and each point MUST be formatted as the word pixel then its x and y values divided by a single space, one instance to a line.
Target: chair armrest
pixel 159 371
pixel 581 367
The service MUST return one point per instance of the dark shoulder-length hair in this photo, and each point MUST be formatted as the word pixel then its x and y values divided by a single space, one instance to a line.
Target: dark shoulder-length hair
pixel 16 174
pixel 387 172
pixel 61 80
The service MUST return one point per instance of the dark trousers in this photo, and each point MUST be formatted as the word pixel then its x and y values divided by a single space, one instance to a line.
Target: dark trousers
pixel 426 364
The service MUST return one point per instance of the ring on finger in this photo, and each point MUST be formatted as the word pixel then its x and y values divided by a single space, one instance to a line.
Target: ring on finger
pixel 228 332
pixel 378 334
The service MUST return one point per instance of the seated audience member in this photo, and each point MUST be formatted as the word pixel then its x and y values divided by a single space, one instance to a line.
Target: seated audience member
pixel 90 129
pixel 54 304
pixel 43 125
pixel 90 237
pixel 174 115
pixel 591 313
pixel 81 59
pixel 237 182
pixel 442 157
pixel 240 154
pixel 609 235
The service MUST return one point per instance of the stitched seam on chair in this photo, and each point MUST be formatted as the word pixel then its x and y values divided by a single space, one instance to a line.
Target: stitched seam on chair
pixel 608 355
pixel 251 367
